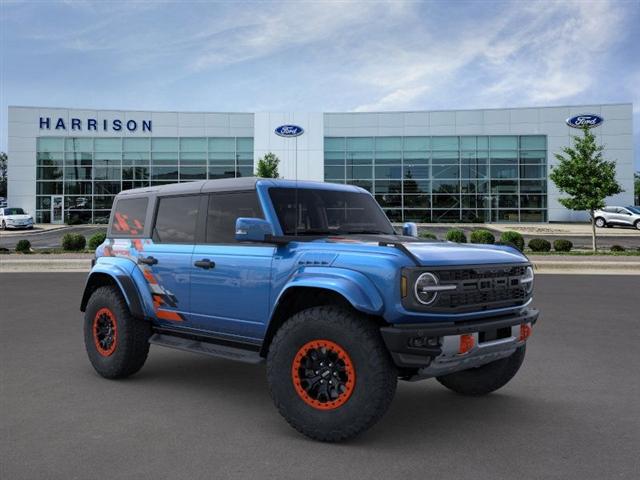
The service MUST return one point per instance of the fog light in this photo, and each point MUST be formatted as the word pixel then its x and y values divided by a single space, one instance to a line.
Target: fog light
pixel 466 343
pixel 422 342
pixel 525 332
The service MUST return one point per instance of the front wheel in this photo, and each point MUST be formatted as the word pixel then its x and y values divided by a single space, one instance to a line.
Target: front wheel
pixel 329 374
pixel 4 226
pixel 117 344
pixel 637 224
pixel 600 223
pixel 487 378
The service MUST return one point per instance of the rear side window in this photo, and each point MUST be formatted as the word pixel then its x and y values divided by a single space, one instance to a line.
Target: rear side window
pixel 223 211
pixel 129 216
pixel 176 219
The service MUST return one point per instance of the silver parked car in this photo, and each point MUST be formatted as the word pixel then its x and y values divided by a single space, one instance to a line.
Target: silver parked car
pixel 622 216
pixel 15 218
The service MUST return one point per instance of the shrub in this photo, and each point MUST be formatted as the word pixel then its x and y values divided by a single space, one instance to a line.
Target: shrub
pixel 539 245
pixel 74 220
pixel 96 240
pixel 455 235
pixel 513 238
pixel 482 236
pixel 73 242
pixel 428 235
pixel 617 248
pixel 562 245
pixel 23 246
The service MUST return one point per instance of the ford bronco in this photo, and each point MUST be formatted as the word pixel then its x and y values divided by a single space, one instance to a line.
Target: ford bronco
pixel 312 279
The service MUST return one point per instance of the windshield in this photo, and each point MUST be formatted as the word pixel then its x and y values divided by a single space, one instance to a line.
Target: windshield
pixel 634 210
pixel 13 211
pixel 328 212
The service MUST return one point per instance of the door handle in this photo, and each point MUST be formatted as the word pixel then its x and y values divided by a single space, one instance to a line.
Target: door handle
pixel 205 263
pixel 148 260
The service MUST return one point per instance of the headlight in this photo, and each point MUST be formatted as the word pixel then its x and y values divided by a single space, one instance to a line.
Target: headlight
pixel 427 287
pixel 527 280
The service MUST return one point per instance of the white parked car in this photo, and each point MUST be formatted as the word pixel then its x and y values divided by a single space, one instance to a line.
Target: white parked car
pixel 15 218
pixel 621 216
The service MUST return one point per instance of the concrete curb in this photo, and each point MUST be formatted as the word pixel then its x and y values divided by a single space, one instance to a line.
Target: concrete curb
pixel 584 266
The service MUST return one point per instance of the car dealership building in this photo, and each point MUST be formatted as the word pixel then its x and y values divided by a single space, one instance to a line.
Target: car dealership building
pixel 426 166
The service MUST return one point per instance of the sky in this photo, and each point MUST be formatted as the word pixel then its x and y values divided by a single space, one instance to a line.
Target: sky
pixel 318 56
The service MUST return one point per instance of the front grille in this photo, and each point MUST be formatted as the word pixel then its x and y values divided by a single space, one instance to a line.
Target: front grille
pixel 477 288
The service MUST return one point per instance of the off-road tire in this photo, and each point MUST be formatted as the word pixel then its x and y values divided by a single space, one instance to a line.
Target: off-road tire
pixel 375 374
pixel 487 378
pixel 132 340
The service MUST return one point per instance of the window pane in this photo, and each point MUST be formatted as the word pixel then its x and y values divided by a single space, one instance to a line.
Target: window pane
pixel 49 188
pixel 50 158
pixel 222 172
pixel 359 143
pixel 223 212
pixel 388 158
pixel 77 203
pixel 78 144
pixel 49 173
pixel 411 171
pixel 79 188
pixel 451 171
pixel 245 145
pixel 193 173
pixel 359 172
pixel 108 145
pixel 164 144
pixel 504 142
pixel 533 156
pixel 445 186
pixel 164 173
pixel 420 186
pixel 532 171
pixel 50 144
pixel 533 142
pixel 359 158
pixel 388 186
pixel 222 145
pixel 193 145
pixel 138 144
pixel 444 143
pixel 504 171
pixel 504 157
pixel 176 219
pixel 334 158
pixel 332 172
pixel 388 143
pixel 388 172
pixel 417 144
pixel 334 144
pixel 468 143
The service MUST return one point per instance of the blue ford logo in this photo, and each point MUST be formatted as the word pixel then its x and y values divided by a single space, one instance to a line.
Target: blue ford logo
pixel 587 120
pixel 289 131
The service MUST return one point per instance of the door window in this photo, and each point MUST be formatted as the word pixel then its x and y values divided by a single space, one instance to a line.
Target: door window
pixel 176 219
pixel 129 216
pixel 223 211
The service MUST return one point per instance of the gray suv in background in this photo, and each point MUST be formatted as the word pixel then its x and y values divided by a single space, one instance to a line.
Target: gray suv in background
pixel 621 216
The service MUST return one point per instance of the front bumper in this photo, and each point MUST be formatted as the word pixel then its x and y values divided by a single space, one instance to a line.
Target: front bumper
pixel 434 349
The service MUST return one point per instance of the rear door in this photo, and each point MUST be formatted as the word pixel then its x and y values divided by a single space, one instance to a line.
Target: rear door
pixel 166 260
pixel 230 281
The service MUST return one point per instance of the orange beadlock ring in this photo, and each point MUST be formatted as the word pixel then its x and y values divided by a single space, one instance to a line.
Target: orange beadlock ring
pixel 105 315
pixel 348 374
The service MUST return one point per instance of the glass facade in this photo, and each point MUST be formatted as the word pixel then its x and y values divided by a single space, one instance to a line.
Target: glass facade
pixel 86 173
pixel 498 178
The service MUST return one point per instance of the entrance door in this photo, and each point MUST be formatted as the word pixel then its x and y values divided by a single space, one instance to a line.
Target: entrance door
pixel 57 209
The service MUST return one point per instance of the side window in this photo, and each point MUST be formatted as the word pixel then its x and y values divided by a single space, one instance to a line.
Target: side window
pixel 176 219
pixel 128 217
pixel 224 209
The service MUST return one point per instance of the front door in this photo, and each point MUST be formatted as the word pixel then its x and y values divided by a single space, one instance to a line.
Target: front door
pixel 166 260
pixel 230 281
pixel 57 209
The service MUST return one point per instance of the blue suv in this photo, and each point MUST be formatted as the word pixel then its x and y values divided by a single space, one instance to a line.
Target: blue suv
pixel 312 279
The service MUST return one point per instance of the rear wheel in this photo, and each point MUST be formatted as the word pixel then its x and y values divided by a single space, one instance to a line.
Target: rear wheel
pixel 117 344
pixel 487 378
pixel 600 223
pixel 329 373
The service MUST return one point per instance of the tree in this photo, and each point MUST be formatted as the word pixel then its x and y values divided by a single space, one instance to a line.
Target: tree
pixel 268 166
pixel 3 174
pixel 585 177
pixel 636 188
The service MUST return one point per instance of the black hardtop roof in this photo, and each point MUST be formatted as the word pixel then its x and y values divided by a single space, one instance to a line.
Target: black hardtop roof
pixel 218 185
pixel 226 185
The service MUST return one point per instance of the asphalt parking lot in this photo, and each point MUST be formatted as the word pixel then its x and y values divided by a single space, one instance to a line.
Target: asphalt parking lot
pixel 572 412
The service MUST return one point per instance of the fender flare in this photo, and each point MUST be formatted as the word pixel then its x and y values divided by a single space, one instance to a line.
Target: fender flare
pixel 123 273
pixel 354 286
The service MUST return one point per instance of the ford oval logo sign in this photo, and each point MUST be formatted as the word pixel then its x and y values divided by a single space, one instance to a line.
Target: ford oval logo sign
pixel 587 120
pixel 289 131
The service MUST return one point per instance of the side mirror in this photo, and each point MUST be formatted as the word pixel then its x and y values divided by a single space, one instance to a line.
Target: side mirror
pixel 410 229
pixel 252 229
